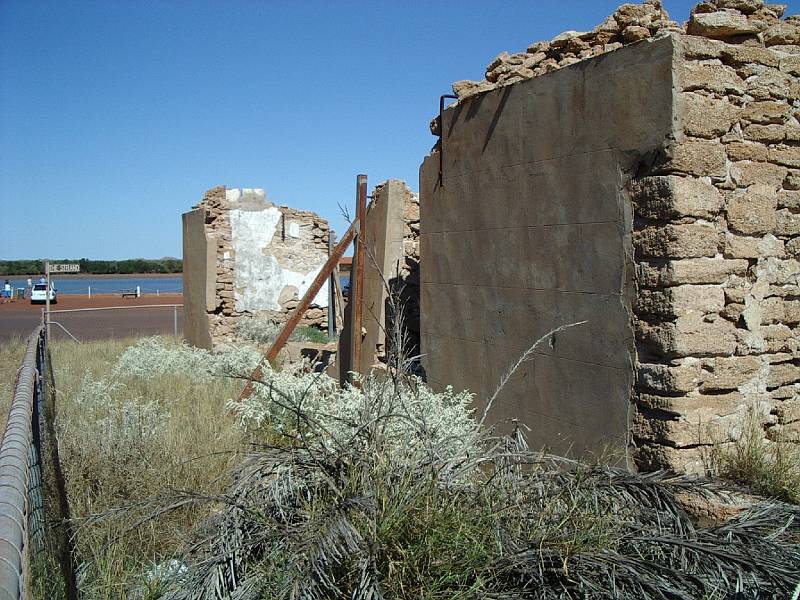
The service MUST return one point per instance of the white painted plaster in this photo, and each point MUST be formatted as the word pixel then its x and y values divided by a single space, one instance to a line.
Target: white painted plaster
pixel 294 229
pixel 258 277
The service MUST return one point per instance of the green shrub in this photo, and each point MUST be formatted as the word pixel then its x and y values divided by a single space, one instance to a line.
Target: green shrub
pixel 263 331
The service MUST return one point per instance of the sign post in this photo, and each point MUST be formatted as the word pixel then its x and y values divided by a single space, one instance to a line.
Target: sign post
pixel 47 299
pixel 54 268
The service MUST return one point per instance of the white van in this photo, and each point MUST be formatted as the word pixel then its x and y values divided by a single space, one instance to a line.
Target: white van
pixel 38 294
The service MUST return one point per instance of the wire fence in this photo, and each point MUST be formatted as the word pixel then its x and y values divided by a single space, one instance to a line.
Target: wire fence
pixel 27 461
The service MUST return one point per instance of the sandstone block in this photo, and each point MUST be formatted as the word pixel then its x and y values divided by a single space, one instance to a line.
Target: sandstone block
pixel 706 117
pixel 788 223
pixel 753 211
pixel 739 151
pixel 789 199
pixel 772 83
pixel 785 155
pixel 746 7
pixel 690 271
pixel 775 271
pixel 668 378
pixel 766 112
pixel 668 196
pixel 792 181
pixel 680 300
pixel 690 335
pixel 716 78
pixel 746 174
pixel 728 373
pixel 723 24
pixel 693 407
pixel 767 339
pixel 651 457
pixel 692 156
pixel 696 47
pixel 783 374
pixel 702 427
pixel 677 241
pixel 786 392
pixel 789 411
pixel 742 55
pixel 791 65
pixel 787 32
pixel 793 247
pixel 635 33
pixel 750 247
pixel 767 134
pixel 732 312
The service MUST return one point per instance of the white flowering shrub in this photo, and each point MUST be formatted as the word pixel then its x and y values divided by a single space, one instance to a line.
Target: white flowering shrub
pixel 119 426
pixel 152 357
pixel 257 329
pixel 313 405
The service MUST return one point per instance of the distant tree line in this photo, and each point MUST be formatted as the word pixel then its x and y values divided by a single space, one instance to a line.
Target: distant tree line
pixel 97 267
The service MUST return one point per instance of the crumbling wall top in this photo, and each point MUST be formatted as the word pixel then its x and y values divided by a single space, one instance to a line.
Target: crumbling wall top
pixel 747 22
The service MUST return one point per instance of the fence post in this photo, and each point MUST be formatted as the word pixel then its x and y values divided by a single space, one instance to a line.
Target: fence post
pixel 175 320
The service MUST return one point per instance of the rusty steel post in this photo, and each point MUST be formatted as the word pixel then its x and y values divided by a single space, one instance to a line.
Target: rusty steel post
pixel 297 315
pixel 357 277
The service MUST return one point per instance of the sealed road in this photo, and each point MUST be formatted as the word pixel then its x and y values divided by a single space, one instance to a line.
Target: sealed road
pixel 17 319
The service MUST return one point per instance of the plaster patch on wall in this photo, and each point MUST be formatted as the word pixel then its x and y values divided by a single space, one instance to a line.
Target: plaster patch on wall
pixel 259 279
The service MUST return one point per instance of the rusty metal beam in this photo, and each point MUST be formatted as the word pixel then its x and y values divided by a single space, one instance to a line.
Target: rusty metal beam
pixel 357 276
pixel 305 302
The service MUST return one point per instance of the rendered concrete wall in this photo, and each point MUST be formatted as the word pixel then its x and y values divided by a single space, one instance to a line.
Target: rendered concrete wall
pixel 392 263
pixel 384 253
pixel 531 229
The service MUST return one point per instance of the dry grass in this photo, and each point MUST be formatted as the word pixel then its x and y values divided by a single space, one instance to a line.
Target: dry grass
pixel 125 440
pixel 768 468
pixel 11 352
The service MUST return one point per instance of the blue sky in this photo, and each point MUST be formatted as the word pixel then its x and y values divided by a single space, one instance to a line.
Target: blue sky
pixel 116 116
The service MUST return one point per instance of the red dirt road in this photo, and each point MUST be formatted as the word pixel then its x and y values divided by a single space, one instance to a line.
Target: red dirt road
pixel 17 319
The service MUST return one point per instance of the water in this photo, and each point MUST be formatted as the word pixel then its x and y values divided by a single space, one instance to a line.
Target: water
pixel 107 285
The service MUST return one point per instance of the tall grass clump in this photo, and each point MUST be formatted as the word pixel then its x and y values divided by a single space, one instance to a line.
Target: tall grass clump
pixel 11 352
pixel 389 490
pixel 134 421
pixel 768 467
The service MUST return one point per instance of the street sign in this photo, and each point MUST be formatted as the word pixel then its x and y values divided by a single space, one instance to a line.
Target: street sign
pixel 65 268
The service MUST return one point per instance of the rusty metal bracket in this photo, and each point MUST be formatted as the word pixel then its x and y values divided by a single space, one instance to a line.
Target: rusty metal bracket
pixel 441 135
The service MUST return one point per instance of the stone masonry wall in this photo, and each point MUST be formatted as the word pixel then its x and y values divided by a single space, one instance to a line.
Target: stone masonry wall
pixel 716 224
pixel 266 257
pixel 716 238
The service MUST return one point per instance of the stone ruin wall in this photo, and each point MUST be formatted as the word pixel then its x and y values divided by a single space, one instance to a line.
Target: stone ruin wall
pixel 716 242
pixel 716 225
pixel 266 258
